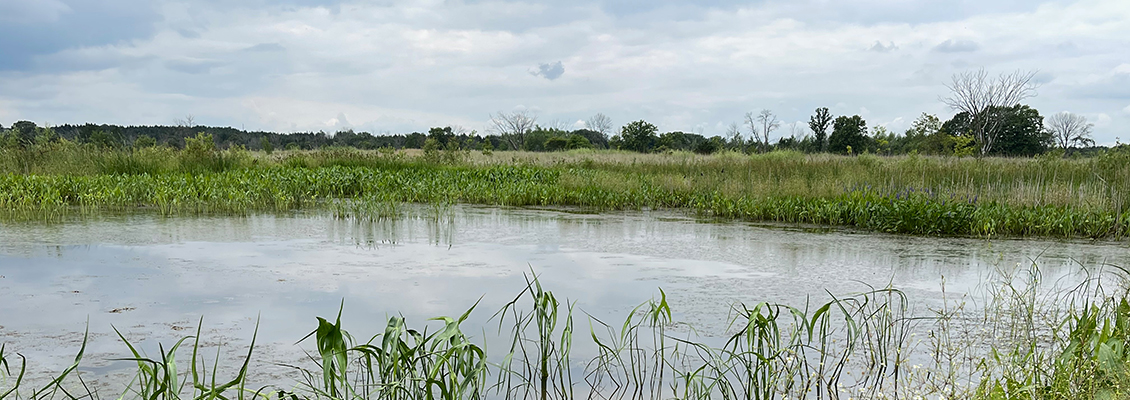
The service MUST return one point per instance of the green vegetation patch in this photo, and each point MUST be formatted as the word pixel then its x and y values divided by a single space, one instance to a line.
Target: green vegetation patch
pixel 1048 196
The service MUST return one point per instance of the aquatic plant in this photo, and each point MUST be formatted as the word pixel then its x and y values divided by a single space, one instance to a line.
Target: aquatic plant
pixel 985 197
pixel 1031 342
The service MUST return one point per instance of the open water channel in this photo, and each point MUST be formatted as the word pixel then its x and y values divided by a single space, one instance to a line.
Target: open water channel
pixel 153 278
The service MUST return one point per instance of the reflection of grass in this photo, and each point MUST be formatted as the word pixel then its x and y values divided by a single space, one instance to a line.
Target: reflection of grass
pixel 1030 343
pixel 911 194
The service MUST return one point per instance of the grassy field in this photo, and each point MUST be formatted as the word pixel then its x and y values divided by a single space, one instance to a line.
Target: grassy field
pixel 1028 341
pixel 982 197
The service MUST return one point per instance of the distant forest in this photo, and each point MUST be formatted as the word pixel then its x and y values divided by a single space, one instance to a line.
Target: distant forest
pixel 1021 133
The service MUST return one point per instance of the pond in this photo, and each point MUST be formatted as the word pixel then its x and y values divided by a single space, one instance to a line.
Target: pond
pixel 154 278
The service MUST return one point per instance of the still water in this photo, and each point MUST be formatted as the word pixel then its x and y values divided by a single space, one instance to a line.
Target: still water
pixel 154 278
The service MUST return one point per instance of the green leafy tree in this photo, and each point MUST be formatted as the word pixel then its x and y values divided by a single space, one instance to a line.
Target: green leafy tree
pixel 596 138
pixel 674 141
pixel 104 139
pixel 144 141
pixel 710 146
pixel 266 145
pixel 431 150
pixel 200 147
pixel 1020 131
pixel 23 133
pixel 848 132
pixel 556 143
pixel 819 123
pixel 441 135
pixel 414 140
pixel 638 136
pixel 575 141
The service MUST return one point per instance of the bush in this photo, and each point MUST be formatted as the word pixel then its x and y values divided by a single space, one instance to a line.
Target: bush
pixel 431 150
pixel 556 144
pixel 144 141
pixel 578 142
pixel 708 147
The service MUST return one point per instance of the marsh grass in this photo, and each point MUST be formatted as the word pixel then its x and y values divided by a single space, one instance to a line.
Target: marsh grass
pixel 985 197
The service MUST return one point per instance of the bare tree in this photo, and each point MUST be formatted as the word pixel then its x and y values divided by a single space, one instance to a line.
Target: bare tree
pixel 768 123
pixel 734 133
pixel 978 95
pixel 797 130
pixel 600 123
pixel 750 121
pixel 189 121
pixel 558 124
pixel 1070 129
pixel 514 126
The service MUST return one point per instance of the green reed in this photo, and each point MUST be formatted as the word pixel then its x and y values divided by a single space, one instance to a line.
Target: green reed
pixel 985 197
pixel 1027 343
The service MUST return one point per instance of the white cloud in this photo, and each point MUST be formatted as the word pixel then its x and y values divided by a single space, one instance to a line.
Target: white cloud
pixel 405 66
pixel 957 46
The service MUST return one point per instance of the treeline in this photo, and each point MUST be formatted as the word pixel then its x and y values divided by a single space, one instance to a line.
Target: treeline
pixel 26 133
pixel 1019 131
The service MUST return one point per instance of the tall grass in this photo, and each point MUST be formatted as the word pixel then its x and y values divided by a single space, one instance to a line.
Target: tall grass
pixel 1030 341
pixel 984 197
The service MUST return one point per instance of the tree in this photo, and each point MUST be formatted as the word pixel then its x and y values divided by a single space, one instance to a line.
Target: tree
pixel 819 124
pixel 848 135
pixel 600 123
pixel 441 135
pixel 676 140
pixel 514 126
pixel 734 134
pixel 104 139
pixel 709 146
pixel 750 122
pixel 144 141
pixel 1020 133
pixel 762 125
pixel 556 143
pixel 638 136
pixel 24 133
pixel 597 139
pixel 265 144
pixel 189 121
pixel 1070 129
pixel 976 94
pixel 575 141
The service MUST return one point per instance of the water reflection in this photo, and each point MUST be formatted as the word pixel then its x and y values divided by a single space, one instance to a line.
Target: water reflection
pixel 154 277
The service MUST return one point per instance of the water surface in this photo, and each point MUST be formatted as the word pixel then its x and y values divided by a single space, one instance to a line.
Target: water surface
pixel 153 278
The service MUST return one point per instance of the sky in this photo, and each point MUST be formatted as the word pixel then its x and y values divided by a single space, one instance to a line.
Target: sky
pixel 393 66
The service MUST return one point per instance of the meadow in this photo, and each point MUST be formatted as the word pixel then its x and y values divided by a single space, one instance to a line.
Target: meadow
pixel 1049 196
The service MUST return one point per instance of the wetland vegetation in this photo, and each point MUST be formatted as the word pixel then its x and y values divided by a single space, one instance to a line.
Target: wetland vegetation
pixel 1031 341
pixel 1024 342
pixel 1047 196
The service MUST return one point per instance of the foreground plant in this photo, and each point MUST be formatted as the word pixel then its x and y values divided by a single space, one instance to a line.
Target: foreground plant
pixel 1033 341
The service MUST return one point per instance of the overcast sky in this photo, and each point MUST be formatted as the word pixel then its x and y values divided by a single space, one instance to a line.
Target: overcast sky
pixel 398 66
